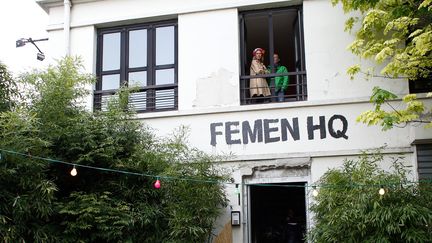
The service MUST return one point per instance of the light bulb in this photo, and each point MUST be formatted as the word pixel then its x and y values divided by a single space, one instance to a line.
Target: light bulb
pixel 74 171
pixel 315 192
pixel 381 191
pixel 157 184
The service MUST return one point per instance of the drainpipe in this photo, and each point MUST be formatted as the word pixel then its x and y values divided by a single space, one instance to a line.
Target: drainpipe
pixel 66 26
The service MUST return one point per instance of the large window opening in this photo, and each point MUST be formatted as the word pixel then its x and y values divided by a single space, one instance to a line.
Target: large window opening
pixel 278 213
pixel 420 85
pixel 278 32
pixel 140 56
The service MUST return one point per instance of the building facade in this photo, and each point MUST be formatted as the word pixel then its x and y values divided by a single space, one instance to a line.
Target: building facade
pixel 190 61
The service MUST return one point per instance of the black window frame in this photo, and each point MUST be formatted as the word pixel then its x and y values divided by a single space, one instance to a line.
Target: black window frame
pixel 151 88
pixel 424 159
pixel 420 85
pixel 299 74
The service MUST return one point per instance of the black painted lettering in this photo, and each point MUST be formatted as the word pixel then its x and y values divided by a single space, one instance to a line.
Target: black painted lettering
pixel 311 127
pixel 338 133
pixel 214 133
pixel 229 132
pixel 255 134
pixel 268 130
pixel 294 129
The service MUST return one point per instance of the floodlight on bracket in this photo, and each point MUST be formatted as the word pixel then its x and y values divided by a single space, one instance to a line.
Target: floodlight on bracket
pixel 23 41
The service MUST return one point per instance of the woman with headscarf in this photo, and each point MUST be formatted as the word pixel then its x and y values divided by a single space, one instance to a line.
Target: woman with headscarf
pixel 258 86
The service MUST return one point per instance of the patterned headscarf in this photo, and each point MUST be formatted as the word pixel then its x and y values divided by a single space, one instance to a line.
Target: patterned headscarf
pixel 258 49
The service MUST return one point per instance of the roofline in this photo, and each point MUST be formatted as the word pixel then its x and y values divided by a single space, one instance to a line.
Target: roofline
pixel 47 4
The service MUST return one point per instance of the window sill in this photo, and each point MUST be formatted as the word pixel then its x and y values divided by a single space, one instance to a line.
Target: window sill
pixel 254 107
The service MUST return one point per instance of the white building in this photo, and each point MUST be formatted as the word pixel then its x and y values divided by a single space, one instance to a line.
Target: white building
pixel 191 60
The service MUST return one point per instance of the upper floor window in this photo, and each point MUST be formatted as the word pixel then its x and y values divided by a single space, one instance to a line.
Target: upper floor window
pixel 272 56
pixel 142 56
pixel 420 85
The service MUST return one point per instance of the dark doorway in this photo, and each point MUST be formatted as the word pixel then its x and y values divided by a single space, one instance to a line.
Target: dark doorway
pixel 278 213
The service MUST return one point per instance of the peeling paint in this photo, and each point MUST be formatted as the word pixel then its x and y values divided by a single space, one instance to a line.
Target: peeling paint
pixel 216 90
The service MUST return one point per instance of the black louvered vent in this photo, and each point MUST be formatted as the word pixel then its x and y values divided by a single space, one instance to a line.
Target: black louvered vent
pixel 424 161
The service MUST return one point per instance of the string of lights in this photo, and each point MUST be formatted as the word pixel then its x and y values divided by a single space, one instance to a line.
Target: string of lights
pixel 313 187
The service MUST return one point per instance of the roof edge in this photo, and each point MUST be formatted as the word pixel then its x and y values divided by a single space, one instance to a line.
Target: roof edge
pixel 47 4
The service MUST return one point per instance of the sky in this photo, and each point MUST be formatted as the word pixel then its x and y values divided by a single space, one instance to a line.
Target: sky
pixel 22 19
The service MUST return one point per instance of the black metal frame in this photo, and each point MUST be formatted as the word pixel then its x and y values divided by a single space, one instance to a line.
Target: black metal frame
pixel 151 88
pixel 300 73
pixel 420 85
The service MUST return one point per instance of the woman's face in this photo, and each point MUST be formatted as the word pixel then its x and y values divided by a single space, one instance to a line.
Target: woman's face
pixel 258 55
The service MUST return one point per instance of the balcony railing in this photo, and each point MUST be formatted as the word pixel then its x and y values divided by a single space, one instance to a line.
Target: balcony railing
pixel 150 98
pixel 296 89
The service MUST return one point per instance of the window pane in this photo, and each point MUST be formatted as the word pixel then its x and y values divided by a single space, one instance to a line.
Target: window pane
pixel 111 52
pixel 138 101
pixel 138 79
pixel 110 81
pixel 256 35
pixel 165 99
pixel 283 33
pixel 138 48
pixel 287 46
pixel 165 45
pixel 165 76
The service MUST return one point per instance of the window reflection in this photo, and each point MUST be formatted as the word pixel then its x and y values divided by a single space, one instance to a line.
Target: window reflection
pixel 111 52
pixel 165 45
pixel 165 76
pixel 110 81
pixel 138 48
pixel 137 79
pixel 124 58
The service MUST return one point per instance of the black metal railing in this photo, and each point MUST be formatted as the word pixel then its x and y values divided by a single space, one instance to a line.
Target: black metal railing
pixel 146 99
pixel 296 89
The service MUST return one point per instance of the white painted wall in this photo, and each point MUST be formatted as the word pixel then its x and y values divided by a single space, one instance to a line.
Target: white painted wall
pixel 327 58
pixel 208 68
pixel 323 164
pixel 83 12
pixel 83 45
pixel 208 59
pixel 209 46
pixel 359 135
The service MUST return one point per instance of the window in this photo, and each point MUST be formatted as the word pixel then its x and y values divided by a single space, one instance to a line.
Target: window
pixel 278 31
pixel 420 85
pixel 142 56
pixel 424 160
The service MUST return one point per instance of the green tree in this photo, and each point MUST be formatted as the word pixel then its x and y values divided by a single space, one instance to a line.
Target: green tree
pixel 102 206
pixel 398 35
pixel 349 208
pixel 8 89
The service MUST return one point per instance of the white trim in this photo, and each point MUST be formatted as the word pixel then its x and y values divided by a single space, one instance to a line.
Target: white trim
pixel 414 161
pixel 260 107
pixel 215 5
pixel 306 156
pixel 67 5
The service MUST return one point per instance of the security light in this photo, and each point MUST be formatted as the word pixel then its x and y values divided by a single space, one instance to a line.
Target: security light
pixel 40 56
pixel 21 42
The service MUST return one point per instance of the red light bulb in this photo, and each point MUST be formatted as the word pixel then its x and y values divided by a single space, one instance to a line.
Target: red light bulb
pixel 157 184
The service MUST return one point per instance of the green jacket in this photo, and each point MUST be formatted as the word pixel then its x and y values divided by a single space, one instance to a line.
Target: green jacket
pixel 281 82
